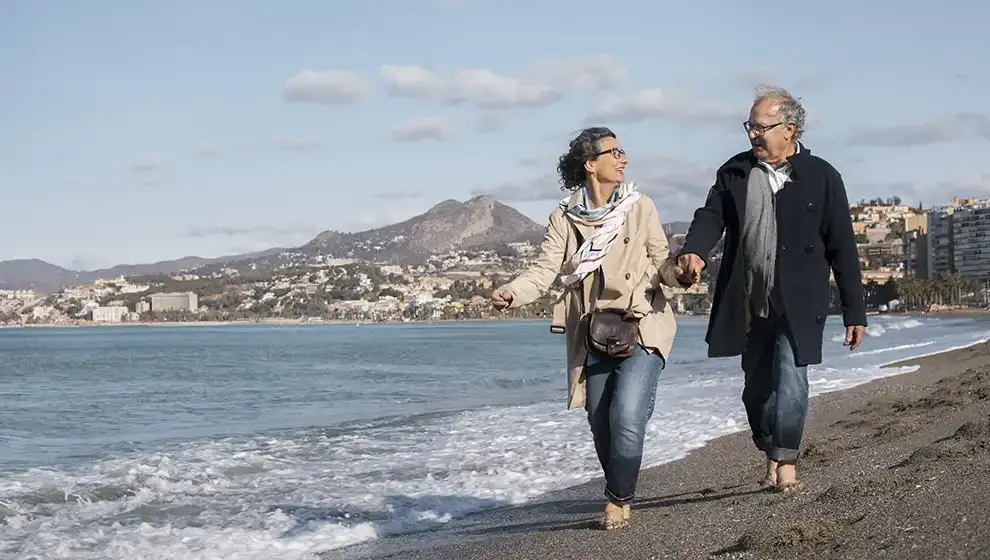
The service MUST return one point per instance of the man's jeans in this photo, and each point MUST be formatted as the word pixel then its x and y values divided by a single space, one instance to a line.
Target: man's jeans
pixel 621 394
pixel 776 390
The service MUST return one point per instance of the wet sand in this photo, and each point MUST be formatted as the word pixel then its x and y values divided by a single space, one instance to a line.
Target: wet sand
pixel 896 468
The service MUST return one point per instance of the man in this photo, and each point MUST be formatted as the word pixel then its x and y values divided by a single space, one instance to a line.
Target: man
pixel 785 215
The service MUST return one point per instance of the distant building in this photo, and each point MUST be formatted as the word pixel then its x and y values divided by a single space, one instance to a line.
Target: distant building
pixel 142 307
pixel 915 246
pixel 940 248
pixel 958 240
pixel 109 314
pixel 178 301
pixel 971 242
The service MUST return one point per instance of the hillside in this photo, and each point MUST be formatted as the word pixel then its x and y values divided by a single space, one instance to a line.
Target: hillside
pixel 36 274
pixel 479 223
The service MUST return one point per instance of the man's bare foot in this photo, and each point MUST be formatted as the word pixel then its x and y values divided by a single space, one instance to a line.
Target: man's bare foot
pixel 770 481
pixel 627 512
pixel 615 517
pixel 787 480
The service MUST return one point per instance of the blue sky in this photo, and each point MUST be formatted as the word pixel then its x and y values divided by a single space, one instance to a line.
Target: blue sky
pixel 141 131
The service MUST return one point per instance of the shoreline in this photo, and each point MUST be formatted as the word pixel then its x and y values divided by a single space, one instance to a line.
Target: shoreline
pixel 946 313
pixel 856 442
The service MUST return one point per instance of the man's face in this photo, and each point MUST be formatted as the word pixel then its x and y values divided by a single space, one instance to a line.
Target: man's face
pixel 770 137
pixel 609 164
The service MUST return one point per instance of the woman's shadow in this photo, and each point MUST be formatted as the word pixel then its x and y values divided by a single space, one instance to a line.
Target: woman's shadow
pixel 560 515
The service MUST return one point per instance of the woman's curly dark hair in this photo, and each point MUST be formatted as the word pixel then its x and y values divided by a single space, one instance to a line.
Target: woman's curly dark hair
pixel 584 148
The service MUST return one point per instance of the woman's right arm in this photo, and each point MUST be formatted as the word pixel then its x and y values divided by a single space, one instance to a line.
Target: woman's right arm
pixel 537 279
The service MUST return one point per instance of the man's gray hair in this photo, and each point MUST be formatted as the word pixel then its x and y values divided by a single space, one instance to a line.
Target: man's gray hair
pixel 788 106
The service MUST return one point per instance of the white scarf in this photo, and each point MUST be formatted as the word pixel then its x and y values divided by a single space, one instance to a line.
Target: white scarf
pixel 591 253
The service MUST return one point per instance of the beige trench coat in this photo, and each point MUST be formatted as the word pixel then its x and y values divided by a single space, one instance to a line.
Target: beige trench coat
pixel 635 266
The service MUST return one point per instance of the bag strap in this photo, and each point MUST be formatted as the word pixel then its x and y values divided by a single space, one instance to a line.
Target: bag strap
pixel 599 274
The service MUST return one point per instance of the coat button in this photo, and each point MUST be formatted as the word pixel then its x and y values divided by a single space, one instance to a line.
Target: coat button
pixel 811 206
pixel 626 240
pixel 808 249
pixel 783 247
pixel 820 320
pixel 628 276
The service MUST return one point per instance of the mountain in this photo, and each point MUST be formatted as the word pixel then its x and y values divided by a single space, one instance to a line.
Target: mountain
pixel 479 223
pixel 676 228
pixel 35 274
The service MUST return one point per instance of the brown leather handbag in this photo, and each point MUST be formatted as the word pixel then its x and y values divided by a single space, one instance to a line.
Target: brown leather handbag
pixel 612 332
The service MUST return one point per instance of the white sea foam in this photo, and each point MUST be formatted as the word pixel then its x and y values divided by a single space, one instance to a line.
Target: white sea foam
pixel 297 493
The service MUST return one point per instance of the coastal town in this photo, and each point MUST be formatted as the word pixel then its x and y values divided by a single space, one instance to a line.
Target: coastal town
pixel 912 258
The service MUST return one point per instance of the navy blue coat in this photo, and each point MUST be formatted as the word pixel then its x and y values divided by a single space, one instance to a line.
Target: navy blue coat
pixel 814 229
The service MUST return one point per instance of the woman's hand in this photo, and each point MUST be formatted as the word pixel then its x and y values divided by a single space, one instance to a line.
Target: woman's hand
pixel 502 298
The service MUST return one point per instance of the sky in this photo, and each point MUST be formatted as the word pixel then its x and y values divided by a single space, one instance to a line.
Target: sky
pixel 134 132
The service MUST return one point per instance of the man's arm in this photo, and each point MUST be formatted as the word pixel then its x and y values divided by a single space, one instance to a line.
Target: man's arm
pixel 708 224
pixel 841 252
pixel 537 279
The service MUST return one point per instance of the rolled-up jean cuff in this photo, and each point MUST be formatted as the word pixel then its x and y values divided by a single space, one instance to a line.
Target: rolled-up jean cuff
pixel 786 455
pixel 615 500
pixel 763 444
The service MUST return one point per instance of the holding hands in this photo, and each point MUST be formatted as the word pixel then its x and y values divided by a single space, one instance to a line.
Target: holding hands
pixel 690 267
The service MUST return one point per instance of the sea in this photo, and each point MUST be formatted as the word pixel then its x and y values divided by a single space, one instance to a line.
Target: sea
pixel 292 442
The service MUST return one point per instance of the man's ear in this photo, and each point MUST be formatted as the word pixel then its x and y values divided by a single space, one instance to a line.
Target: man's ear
pixel 589 166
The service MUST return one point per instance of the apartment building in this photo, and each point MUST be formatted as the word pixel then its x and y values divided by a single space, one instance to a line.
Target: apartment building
pixel 176 301
pixel 109 314
pixel 971 242
pixel 940 248
pixel 953 239
pixel 915 246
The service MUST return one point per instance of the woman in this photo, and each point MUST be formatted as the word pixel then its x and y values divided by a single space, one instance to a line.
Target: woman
pixel 606 244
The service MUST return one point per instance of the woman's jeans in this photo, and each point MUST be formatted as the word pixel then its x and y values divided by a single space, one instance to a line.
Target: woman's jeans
pixel 621 394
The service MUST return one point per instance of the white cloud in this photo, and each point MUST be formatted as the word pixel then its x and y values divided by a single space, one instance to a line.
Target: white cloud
pixel 542 187
pixel 382 216
pixel 768 76
pixel 656 104
pixel 211 149
pixel 927 193
pixel 943 130
pixel 428 128
pixel 329 87
pixel 478 86
pixel 263 230
pixel 977 187
pixel 492 120
pixel 151 162
pixel 677 186
pixel 399 194
pixel 597 73
pixel 294 144
pixel 546 84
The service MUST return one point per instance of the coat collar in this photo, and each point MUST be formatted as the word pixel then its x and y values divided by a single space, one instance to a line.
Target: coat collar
pixel 743 162
pixel 576 198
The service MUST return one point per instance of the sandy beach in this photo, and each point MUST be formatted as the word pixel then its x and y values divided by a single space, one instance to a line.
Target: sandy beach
pixel 895 468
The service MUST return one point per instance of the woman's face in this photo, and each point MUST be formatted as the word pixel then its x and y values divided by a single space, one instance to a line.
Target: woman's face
pixel 609 164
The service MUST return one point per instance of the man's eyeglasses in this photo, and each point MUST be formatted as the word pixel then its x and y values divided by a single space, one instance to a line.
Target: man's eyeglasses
pixel 759 128
pixel 617 153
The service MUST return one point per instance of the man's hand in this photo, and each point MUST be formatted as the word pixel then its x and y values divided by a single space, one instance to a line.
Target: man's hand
pixel 502 298
pixel 854 336
pixel 691 266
